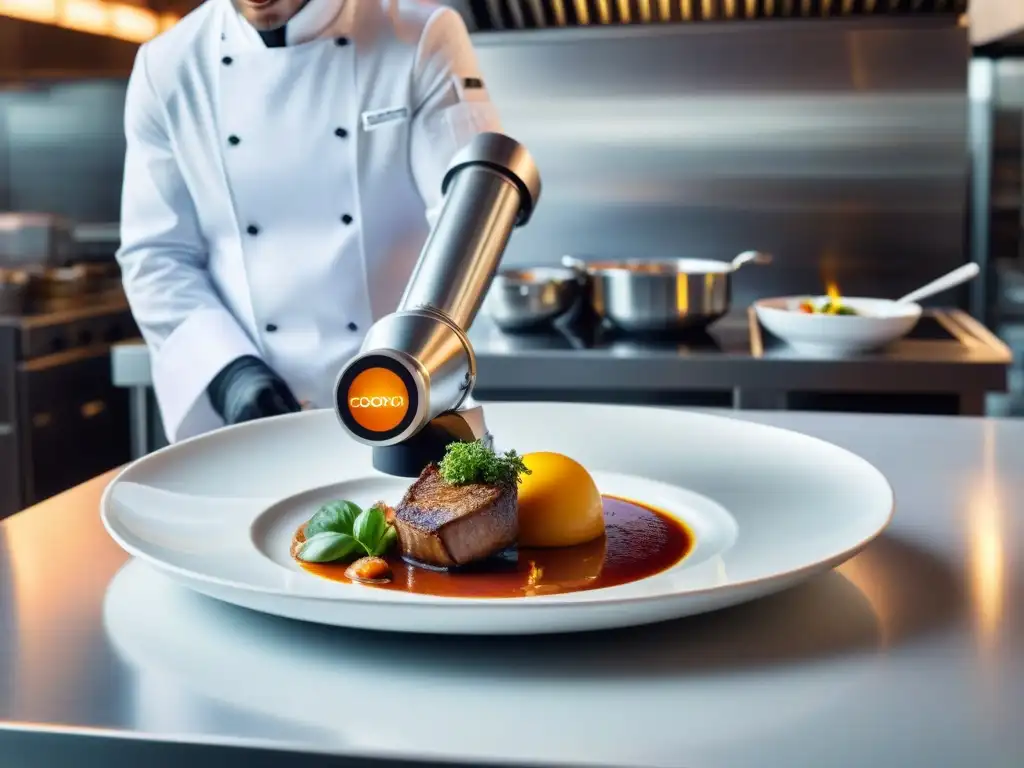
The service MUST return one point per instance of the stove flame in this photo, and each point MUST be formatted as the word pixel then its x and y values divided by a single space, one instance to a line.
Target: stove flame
pixel 832 291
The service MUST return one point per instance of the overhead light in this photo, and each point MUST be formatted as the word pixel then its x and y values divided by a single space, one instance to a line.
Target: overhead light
pixel 84 16
pixel 128 22
pixel 96 17
pixel 30 10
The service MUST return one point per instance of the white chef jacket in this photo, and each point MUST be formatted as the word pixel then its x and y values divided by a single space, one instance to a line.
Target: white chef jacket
pixel 275 200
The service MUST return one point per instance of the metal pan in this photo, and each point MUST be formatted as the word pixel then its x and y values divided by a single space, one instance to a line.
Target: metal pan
pixel 655 296
pixel 522 300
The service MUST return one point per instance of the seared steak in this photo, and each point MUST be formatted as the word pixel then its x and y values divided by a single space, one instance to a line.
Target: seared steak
pixel 449 525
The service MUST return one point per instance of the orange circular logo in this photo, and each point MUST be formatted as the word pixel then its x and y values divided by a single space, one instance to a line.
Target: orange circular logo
pixel 378 399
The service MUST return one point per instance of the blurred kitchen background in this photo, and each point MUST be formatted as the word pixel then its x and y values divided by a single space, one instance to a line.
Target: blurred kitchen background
pixel 869 145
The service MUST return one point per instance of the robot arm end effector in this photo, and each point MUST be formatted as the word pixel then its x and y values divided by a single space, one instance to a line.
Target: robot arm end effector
pixel 417 365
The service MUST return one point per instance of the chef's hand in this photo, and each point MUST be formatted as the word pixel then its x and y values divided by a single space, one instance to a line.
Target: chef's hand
pixel 248 389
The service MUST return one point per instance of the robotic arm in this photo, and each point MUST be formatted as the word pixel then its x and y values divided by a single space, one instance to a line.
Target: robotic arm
pixel 408 393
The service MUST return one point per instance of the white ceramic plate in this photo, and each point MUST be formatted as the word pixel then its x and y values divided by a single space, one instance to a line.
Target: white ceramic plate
pixel 768 508
pixel 878 322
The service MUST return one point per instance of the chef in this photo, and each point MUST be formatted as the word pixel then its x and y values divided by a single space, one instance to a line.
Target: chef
pixel 283 167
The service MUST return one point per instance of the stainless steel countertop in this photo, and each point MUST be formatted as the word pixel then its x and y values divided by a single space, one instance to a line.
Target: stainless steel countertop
pixel 910 654
pixel 555 362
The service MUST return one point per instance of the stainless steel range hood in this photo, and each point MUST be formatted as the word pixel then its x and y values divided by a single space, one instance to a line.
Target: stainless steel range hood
pixel 508 15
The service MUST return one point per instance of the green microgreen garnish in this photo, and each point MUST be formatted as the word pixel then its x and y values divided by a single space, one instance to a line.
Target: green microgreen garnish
pixel 341 530
pixel 475 462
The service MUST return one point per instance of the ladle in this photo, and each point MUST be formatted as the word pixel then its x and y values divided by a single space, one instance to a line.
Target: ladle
pixel 750 256
pixel 940 284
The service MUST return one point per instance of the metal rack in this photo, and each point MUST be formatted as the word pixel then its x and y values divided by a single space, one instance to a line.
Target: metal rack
pixel 495 15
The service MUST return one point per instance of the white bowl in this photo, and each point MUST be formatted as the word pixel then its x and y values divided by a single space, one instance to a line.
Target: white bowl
pixel 878 322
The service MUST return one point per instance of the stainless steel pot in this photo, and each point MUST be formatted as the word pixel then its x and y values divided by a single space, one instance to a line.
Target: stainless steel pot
pixel 648 295
pixel 527 299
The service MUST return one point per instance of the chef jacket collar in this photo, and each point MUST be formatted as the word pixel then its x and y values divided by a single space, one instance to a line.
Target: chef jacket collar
pixel 318 18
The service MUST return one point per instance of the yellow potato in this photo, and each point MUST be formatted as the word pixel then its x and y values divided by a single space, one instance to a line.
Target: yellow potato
pixel 559 504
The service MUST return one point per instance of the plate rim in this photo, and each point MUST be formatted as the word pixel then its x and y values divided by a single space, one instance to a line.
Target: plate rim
pixel 506 604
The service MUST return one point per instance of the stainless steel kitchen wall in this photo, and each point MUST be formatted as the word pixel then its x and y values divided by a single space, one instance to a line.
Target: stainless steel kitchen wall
pixel 62 147
pixel 999 237
pixel 5 170
pixel 840 146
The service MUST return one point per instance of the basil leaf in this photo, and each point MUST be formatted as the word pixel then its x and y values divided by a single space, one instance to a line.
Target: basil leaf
pixel 369 527
pixel 327 547
pixel 334 516
pixel 389 538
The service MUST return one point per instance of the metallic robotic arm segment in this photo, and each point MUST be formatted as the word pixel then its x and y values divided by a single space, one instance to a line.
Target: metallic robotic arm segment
pixel 408 393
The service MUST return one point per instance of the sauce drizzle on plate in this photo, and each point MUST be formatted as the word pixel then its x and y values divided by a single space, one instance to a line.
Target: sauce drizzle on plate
pixel 639 542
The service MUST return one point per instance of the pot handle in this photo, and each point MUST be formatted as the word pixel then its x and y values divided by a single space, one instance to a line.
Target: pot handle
pixel 751 257
pixel 576 265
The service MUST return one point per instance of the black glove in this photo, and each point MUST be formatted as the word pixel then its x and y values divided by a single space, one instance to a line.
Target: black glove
pixel 248 389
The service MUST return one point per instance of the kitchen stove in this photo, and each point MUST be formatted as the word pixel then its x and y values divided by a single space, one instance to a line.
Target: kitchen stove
pixel 731 335
pixel 947 364
pixel 62 420
pixel 587 334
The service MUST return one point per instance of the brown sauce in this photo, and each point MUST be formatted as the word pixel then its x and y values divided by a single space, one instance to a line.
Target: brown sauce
pixel 638 542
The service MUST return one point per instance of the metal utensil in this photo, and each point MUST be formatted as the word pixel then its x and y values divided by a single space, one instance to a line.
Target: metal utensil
pixel 750 257
pixel 940 284
pixel 655 296
pixel 528 299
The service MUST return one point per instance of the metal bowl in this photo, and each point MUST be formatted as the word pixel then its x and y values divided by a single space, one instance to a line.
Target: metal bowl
pixel 529 299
